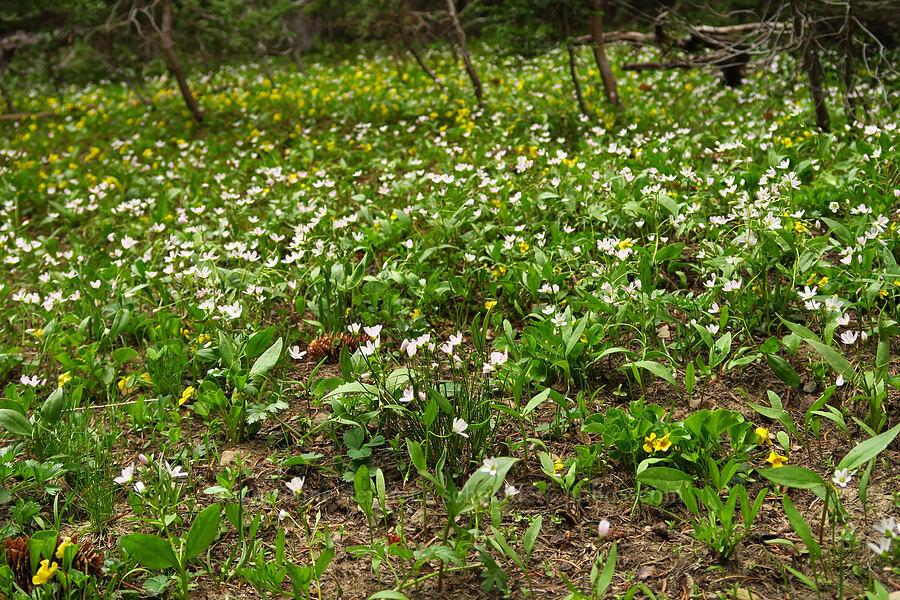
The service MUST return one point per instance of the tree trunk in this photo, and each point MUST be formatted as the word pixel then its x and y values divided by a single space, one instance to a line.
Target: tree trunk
pixel 849 87
pixel 606 74
pixel 172 62
pixel 461 40
pixel 416 55
pixel 812 66
pixel 573 71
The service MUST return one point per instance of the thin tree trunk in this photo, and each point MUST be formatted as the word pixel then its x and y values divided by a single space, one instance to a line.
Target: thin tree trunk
pixel 813 67
pixel 573 70
pixel 416 55
pixel 172 62
pixel 849 88
pixel 461 39
pixel 606 74
pixel 10 105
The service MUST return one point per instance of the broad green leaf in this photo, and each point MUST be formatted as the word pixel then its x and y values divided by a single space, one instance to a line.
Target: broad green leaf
pixel 783 370
pixel 800 526
pixel 354 387
pixel 415 454
pixel 609 570
pixel 655 368
pixel 149 550
pixel 834 358
pixel 665 479
pixel 259 340
pixel 531 534
pixel 15 422
pixel 867 450
pixel 203 531
pixel 52 408
pixel 793 476
pixel 536 401
pixel 388 595
pixel 575 336
pixel 123 355
pixel 267 359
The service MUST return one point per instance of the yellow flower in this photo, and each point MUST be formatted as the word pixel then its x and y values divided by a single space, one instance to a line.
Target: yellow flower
pixel 186 395
pixel 146 377
pixel 490 304
pixel 883 293
pixel 652 443
pixel 39 333
pixel 523 246
pixel 763 434
pixel 558 466
pixel 775 459
pixel 123 384
pixel 45 573
pixel 61 551
pixel 64 378
pixel 662 444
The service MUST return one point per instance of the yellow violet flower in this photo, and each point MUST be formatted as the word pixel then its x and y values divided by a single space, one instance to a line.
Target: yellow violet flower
pixel 490 304
pixel 61 551
pixel 558 466
pixel 186 395
pixel 652 443
pixel 662 444
pixel 776 460
pixel 45 573
pixel 64 378
pixel 763 434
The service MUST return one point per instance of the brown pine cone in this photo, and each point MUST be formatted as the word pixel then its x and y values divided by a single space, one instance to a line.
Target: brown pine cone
pixel 87 560
pixel 18 557
pixel 329 345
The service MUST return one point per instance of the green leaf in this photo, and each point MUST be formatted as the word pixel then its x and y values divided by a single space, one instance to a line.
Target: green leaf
pixel 204 531
pixel 609 570
pixel 149 550
pixel 531 534
pixel 415 454
pixel 259 340
pixel 52 408
pixel 346 364
pixel 783 370
pixel 354 387
pixel 867 450
pixel 664 478
pixel 123 355
pixel 655 368
pixel 800 526
pixel 388 595
pixel 575 336
pixel 536 401
pixel 793 476
pixel 834 358
pixel 267 359
pixel 15 422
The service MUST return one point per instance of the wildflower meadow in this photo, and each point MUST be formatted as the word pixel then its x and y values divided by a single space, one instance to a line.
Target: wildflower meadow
pixel 355 335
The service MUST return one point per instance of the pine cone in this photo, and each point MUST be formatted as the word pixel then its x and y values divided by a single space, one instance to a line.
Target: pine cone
pixel 18 557
pixel 329 345
pixel 87 560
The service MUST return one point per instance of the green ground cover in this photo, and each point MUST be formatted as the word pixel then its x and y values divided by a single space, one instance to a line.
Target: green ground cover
pixel 353 335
